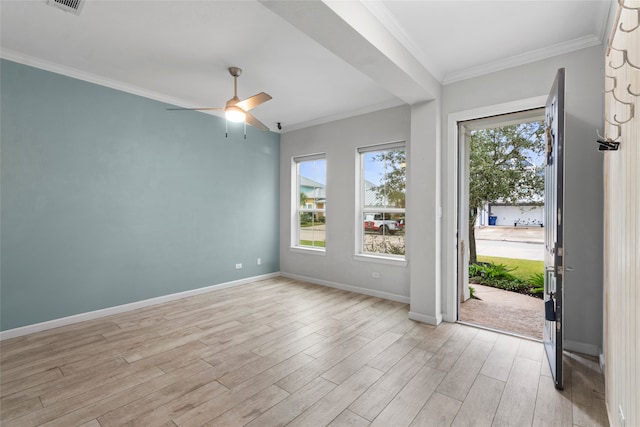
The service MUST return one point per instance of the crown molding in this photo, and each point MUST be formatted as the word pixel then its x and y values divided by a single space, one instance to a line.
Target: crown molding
pixel 524 58
pixel 345 115
pixel 382 13
pixel 64 70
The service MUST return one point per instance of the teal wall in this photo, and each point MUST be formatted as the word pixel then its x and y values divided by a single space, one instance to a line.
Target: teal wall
pixel 107 198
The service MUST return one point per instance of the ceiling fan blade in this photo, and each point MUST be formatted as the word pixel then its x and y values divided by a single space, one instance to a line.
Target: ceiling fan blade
pixel 196 109
pixel 250 120
pixel 254 101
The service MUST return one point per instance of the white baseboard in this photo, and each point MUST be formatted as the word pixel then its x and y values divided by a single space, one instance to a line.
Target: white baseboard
pixel 580 347
pixel 424 318
pixel 446 317
pixel 350 288
pixel 56 323
pixel 601 360
pixel 366 291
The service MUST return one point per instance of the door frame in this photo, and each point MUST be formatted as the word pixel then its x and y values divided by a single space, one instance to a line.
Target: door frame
pixel 451 186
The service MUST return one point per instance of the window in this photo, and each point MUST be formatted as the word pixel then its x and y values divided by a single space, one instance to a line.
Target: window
pixel 309 201
pixel 382 200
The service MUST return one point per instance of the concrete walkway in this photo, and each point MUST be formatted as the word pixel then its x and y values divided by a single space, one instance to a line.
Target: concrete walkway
pixel 504 310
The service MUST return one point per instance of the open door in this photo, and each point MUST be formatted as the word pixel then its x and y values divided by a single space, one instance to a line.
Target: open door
pixel 463 215
pixel 553 240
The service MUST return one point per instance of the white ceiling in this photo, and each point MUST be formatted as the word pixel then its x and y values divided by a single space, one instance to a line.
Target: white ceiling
pixel 319 60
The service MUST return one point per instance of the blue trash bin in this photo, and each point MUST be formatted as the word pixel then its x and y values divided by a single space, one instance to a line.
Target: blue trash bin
pixel 492 219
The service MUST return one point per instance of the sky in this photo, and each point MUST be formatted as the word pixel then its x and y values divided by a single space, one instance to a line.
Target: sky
pixel 317 169
pixel 373 170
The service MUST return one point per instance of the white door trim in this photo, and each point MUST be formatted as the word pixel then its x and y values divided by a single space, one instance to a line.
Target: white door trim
pixel 450 187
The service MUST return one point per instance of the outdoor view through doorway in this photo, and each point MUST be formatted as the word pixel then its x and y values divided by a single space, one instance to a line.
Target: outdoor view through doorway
pixel 501 222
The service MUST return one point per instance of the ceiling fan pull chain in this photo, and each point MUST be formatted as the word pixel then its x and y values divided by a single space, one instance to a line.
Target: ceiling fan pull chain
pixel 245 130
pixel 226 128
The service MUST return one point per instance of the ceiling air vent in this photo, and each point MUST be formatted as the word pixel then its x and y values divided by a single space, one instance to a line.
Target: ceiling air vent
pixel 73 6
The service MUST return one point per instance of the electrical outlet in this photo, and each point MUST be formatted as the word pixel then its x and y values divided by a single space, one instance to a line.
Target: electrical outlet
pixel 375 275
pixel 258 261
pixel 238 266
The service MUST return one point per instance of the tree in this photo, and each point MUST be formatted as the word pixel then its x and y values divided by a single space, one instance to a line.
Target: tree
pixel 391 190
pixel 500 169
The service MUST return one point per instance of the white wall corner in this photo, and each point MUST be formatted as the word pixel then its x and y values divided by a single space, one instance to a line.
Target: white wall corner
pixel 423 203
pixel 424 318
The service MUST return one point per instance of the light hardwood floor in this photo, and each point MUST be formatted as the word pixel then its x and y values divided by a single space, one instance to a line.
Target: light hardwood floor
pixel 280 352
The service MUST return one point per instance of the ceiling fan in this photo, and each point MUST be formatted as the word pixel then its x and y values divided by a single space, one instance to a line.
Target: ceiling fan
pixel 236 110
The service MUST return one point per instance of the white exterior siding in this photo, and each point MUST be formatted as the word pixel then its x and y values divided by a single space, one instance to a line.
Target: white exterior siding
pixel 523 215
pixel 518 215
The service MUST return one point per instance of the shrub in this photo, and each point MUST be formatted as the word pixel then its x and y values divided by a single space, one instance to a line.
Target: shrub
pixel 475 270
pixel 384 246
pixel 498 276
pixel 305 218
pixel 524 268
pixel 500 271
pixel 537 281
pixel 492 271
pixel 510 285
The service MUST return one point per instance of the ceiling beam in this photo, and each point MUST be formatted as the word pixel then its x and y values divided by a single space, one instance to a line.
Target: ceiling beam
pixel 354 34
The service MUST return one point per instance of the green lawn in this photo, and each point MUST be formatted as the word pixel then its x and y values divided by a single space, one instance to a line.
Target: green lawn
pixel 524 267
pixel 312 243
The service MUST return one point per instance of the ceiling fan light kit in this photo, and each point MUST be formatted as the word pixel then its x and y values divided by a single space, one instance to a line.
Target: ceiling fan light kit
pixel 234 114
pixel 236 110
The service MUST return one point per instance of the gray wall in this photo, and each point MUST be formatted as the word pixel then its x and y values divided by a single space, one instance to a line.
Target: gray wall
pixel 426 278
pixel 339 140
pixel 583 172
pixel 107 198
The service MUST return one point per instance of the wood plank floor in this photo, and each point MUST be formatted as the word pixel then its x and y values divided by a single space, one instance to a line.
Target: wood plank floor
pixel 280 352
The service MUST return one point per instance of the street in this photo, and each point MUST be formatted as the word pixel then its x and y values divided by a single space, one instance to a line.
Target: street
pixel 506 242
pixel 511 242
pixel 505 249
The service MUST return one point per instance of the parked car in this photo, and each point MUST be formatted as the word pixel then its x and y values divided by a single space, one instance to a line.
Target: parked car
pixel 375 222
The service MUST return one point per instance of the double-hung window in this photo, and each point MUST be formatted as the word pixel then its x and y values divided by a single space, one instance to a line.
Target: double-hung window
pixel 309 200
pixel 382 189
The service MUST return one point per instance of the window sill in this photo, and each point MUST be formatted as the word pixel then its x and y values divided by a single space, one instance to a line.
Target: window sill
pixel 399 262
pixel 309 251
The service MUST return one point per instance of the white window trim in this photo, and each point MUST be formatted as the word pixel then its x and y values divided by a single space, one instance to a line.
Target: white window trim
pixel 309 250
pixel 396 260
pixel 360 209
pixel 294 245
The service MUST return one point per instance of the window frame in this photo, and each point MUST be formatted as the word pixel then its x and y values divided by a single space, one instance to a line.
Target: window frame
pixel 360 208
pixel 297 209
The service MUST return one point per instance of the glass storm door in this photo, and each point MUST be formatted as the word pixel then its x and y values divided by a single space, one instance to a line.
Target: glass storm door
pixel 553 240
